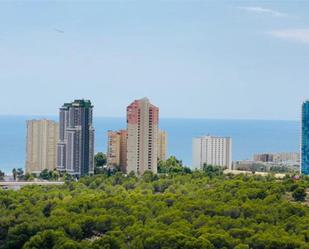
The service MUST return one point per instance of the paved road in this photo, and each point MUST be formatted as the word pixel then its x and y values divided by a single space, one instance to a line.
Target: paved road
pixel 9 184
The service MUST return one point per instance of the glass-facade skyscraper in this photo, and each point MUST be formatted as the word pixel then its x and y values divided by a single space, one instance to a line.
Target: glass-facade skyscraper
pixel 75 150
pixel 305 139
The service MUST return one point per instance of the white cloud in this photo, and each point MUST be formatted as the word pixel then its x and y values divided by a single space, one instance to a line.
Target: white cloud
pixel 261 10
pixel 296 35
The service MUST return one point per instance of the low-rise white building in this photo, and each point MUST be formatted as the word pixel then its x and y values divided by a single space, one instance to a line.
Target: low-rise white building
pixel 216 151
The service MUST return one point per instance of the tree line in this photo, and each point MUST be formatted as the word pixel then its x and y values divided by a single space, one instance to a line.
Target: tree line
pixel 177 208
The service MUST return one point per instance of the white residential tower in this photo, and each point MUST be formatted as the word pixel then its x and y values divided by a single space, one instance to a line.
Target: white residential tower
pixel 216 151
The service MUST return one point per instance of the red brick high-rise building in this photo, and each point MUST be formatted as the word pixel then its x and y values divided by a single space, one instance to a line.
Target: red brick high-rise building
pixel 142 136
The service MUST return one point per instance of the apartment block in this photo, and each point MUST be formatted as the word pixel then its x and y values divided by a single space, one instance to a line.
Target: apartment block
pixel 42 137
pixel 142 138
pixel 75 150
pixel 117 149
pixel 280 157
pixel 162 145
pixel 265 157
pixel 210 150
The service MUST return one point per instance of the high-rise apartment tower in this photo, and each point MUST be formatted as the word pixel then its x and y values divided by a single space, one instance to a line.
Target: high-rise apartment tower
pixel 75 150
pixel 216 151
pixel 42 137
pixel 305 139
pixel 142 138
pixel 117 149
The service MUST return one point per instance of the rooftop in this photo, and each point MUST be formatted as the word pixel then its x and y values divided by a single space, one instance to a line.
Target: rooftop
pixel 78 103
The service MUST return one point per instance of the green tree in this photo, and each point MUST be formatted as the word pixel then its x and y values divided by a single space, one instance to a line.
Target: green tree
pixel 74 230
pixel 29 177
pixel 67 177
pixel 55 175
pixel 20 174
pixel 47 209
pixel 45 174
pixel 172 210
pixel 19 234
pixel 149 176
pixel 299 194
pixel 212 171
pixel 100 160
pixel 48 239
pixel 106 242
pixel 172 165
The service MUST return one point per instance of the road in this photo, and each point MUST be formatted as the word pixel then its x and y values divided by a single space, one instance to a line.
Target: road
pixel 18 185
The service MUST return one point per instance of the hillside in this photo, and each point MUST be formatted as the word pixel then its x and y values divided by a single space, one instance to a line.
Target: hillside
pixel 174 211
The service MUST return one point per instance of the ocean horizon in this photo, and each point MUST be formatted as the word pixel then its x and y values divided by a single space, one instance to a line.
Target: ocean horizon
pixel 248 136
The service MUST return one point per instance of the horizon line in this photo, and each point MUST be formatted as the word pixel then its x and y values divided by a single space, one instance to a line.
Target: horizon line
pixel 165 117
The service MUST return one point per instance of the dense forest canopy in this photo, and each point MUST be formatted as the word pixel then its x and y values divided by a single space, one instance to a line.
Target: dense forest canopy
pixel 176 210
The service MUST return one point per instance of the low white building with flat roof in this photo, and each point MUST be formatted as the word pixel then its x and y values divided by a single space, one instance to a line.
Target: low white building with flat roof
pixel 216 151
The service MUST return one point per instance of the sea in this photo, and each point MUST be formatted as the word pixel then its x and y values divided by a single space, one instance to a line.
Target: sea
pixel 248 136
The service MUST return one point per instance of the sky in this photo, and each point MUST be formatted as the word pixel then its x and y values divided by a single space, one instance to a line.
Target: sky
pixel 193 59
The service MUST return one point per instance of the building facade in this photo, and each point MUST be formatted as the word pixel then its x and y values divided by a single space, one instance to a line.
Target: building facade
pixel 305 139
pixel 216 151
pixel 284 157
pixel 117 149
pixel 42 137
pixel 265 157
pixel 142 137
pixel 279 157
pixel 123 150
pixel 162 145
pixel 113 148
pixel 75 150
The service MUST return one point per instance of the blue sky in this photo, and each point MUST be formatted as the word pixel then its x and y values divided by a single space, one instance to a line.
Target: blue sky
pixel 199 59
